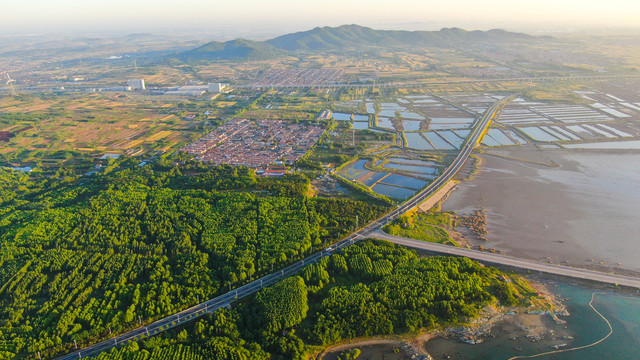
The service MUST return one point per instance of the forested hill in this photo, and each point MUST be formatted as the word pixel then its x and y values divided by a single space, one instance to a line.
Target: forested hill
pixel 350 37
pixel 371 288
pixel 81 258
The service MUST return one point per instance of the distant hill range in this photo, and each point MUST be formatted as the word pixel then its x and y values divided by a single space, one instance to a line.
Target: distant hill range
pixel 349 37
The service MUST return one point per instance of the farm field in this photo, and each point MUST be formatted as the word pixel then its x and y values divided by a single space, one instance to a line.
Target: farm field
pixel 92 122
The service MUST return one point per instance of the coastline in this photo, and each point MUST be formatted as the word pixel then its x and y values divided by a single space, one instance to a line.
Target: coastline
pixel 516 187
pixel 534 322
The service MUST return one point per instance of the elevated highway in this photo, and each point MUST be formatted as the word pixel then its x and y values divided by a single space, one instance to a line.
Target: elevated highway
pixel 499 259
pixel 372 230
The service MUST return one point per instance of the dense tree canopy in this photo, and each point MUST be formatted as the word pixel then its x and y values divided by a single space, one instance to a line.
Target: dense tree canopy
pixel 395 291
pixel 85 257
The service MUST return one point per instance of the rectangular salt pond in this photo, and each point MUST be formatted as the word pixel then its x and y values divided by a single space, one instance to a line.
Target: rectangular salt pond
pixel 375 176
pixel 615 131
pixel 360 125
pixel 341 116
pixel 412 161
pixel 385 123
pixel 468 121
pixel 538 134
pixel 566 133
pixel 411 115
pixel 450 123
pixel 438 142
pixel 370 108
pixel 610 111
pixel 393 191
pixel 515 137
pixel 599 131
pixel 405 181
pixel 554 133
pixel 391 106
pixel 500 137
pixel 411 125
pixel 463 133
pixel 489 141
pixel 417 142
pixel 582 132
pixel 354 170
pixel 451 137
pixel 412 168
pixel 387 113
pixel 347 117
pixel 611 145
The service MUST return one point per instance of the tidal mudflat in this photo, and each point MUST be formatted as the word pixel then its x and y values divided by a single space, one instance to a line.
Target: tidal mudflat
pixel 580 208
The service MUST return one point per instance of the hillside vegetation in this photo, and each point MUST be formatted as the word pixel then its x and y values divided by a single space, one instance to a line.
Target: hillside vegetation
pixel 371 288
pixel 82 258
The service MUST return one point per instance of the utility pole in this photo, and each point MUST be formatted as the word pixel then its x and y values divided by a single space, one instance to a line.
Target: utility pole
pixel 75 344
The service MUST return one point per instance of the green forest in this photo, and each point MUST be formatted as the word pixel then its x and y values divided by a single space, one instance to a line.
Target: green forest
pixel 85 257
pixel 371 288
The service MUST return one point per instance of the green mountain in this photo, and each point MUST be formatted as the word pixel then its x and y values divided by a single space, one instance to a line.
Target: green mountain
pixel 350 37
pixel 234 49
pixel 354 36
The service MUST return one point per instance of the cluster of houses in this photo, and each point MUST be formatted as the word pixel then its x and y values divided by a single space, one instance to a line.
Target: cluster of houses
pixel 255 143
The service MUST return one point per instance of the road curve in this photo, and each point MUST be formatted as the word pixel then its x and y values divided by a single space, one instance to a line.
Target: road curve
pixel 510 261
pixel 370 230
pixel 254 286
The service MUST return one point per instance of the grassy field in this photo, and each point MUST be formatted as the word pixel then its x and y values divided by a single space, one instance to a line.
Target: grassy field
pixel 423 226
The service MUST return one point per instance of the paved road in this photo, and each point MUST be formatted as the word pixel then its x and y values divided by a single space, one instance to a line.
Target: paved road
pixel 370 230
pixel 510 261
pixel 254 286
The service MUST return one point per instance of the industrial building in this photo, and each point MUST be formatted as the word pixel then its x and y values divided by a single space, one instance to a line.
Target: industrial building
pixel 136 84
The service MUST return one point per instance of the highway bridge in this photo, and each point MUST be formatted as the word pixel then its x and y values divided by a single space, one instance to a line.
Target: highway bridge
pixel 492 258
pixel 370 230
pixel 254 286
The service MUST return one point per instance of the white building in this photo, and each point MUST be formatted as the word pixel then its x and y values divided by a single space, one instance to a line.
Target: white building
pixel 216 87
pixel 136 84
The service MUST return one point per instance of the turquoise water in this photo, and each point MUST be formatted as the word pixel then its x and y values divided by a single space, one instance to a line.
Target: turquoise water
pixel 584 325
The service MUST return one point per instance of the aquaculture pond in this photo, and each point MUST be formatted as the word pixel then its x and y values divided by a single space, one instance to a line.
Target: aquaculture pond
pixel 404 181
pixel 437 141
pixel 412 168
pixel 354 170
pixel 416 141
pixel 411 125
pixel 372 178
pixel 393 191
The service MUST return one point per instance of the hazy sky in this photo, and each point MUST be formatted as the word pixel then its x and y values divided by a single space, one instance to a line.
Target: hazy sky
pixel 19 16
